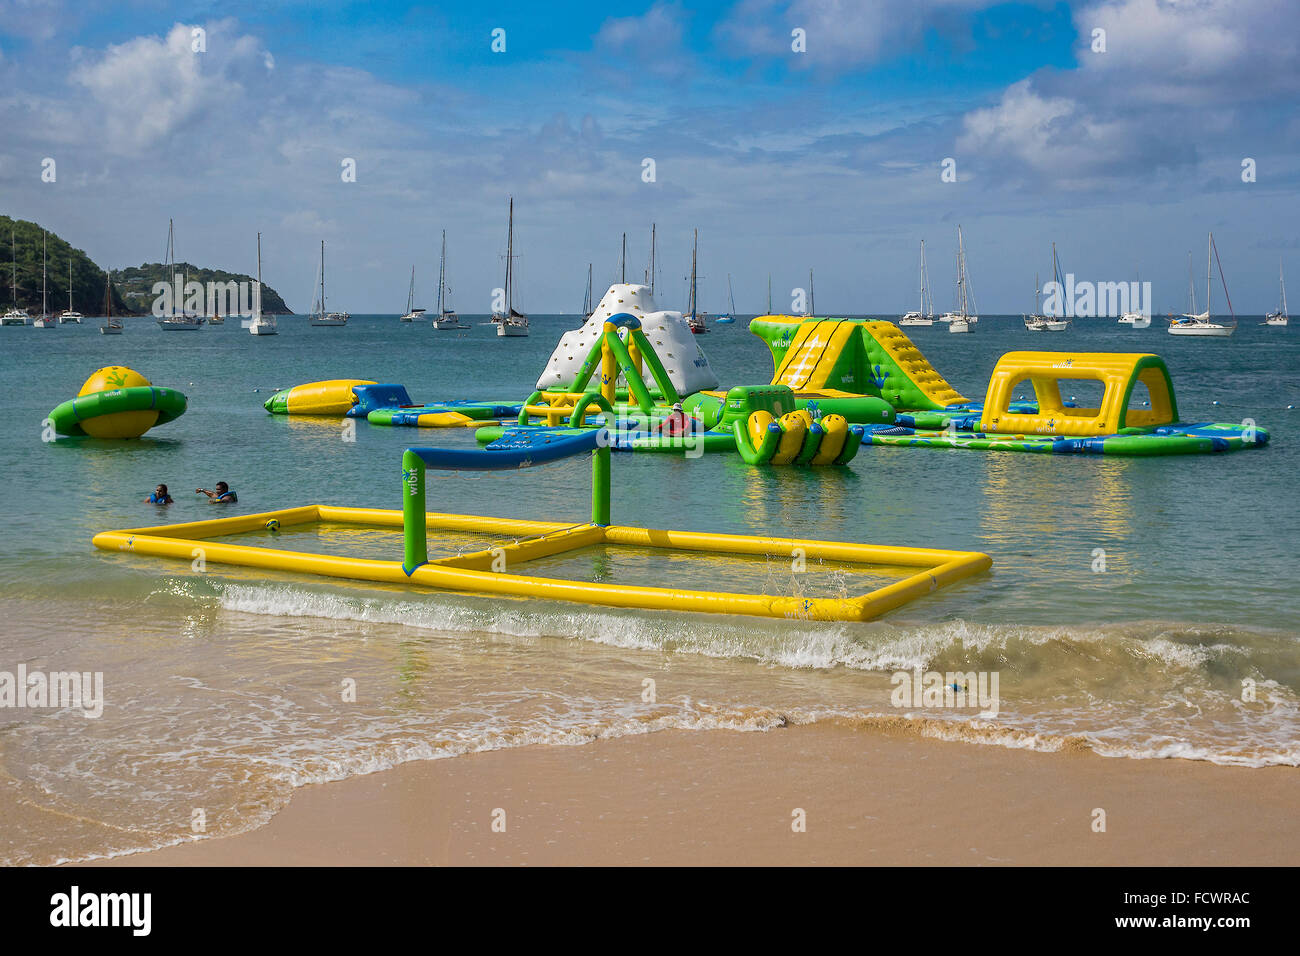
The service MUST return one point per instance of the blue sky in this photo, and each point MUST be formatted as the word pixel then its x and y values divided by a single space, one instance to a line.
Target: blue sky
pixel 829 158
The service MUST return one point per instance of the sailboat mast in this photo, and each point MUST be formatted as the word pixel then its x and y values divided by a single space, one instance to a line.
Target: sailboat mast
pixel 652 259
pixel 695 245
pixel 322 278
pixel 13 247
pixel 1281 282
pixel 622 261
pixel 69 282
pixel 442 270
pixel 257 298
pixel 812 301
pixel 731 296
pixel 510 256
pixel 1208 243
pixel 44 308
pixel 961 274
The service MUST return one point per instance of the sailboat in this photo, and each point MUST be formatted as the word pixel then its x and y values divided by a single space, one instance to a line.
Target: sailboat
pixel 587 307
pixel 111 326
pixel 925 316
pixel 70 315
pixel 320 316
pixel 412 313
pixel 730 317
pixel 15 315
pixel 812 303
pixel 1198 323
pixel 1279 317
pixel 695 318
pixel 650 272
pixel 1043 323
pixel 44 320
pixel 1136 318
pixel 964 319
pixel 446 319
pixel 510 322
pixel 176 322
pixel 261 324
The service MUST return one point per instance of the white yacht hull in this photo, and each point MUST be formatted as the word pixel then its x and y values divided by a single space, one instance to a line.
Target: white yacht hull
pixel 510 329
pixel 1202 329
pixel 960 325
pixel 915 323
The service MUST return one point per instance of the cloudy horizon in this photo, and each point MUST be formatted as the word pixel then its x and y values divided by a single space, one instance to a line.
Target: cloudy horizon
pixel 831 158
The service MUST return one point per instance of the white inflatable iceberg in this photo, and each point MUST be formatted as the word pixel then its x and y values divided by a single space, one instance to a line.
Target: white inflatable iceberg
pixel 686 364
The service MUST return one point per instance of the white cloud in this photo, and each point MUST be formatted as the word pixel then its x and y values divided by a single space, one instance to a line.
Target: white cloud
pixel 148 88
pixel 1179 83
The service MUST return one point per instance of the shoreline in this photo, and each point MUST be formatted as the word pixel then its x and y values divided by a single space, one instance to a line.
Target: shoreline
pixel 681 797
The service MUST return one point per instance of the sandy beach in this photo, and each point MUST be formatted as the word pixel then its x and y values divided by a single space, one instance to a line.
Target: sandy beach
pixel 870 797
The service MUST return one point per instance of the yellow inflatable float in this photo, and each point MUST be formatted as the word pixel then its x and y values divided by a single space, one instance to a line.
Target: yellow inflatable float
pixel 117 402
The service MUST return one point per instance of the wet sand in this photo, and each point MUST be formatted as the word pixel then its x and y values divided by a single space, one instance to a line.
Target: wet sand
pixel 722 797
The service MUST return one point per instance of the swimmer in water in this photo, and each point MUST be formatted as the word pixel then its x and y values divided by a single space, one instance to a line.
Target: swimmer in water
pixel 159 497
pixel 222 495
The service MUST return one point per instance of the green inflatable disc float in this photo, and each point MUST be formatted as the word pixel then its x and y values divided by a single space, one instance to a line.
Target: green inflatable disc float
pixel 117 402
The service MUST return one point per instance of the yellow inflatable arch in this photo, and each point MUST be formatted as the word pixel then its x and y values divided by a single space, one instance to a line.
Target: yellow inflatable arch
pixel 1118 372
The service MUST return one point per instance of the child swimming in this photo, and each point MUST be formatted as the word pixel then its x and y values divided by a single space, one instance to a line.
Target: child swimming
pixel 159 497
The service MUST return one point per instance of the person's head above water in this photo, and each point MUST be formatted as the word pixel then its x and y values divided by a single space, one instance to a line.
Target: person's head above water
pixel 161 491
pixel 222 487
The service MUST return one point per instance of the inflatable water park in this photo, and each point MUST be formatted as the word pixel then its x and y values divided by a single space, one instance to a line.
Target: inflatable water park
pixel 837 384
pixel 633 378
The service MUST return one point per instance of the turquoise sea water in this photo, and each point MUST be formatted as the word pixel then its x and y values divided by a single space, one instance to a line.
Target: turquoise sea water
pixel 223 687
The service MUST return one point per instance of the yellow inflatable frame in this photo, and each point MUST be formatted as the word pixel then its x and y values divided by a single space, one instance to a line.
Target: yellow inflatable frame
pixel 932 568
pixel 1119 373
